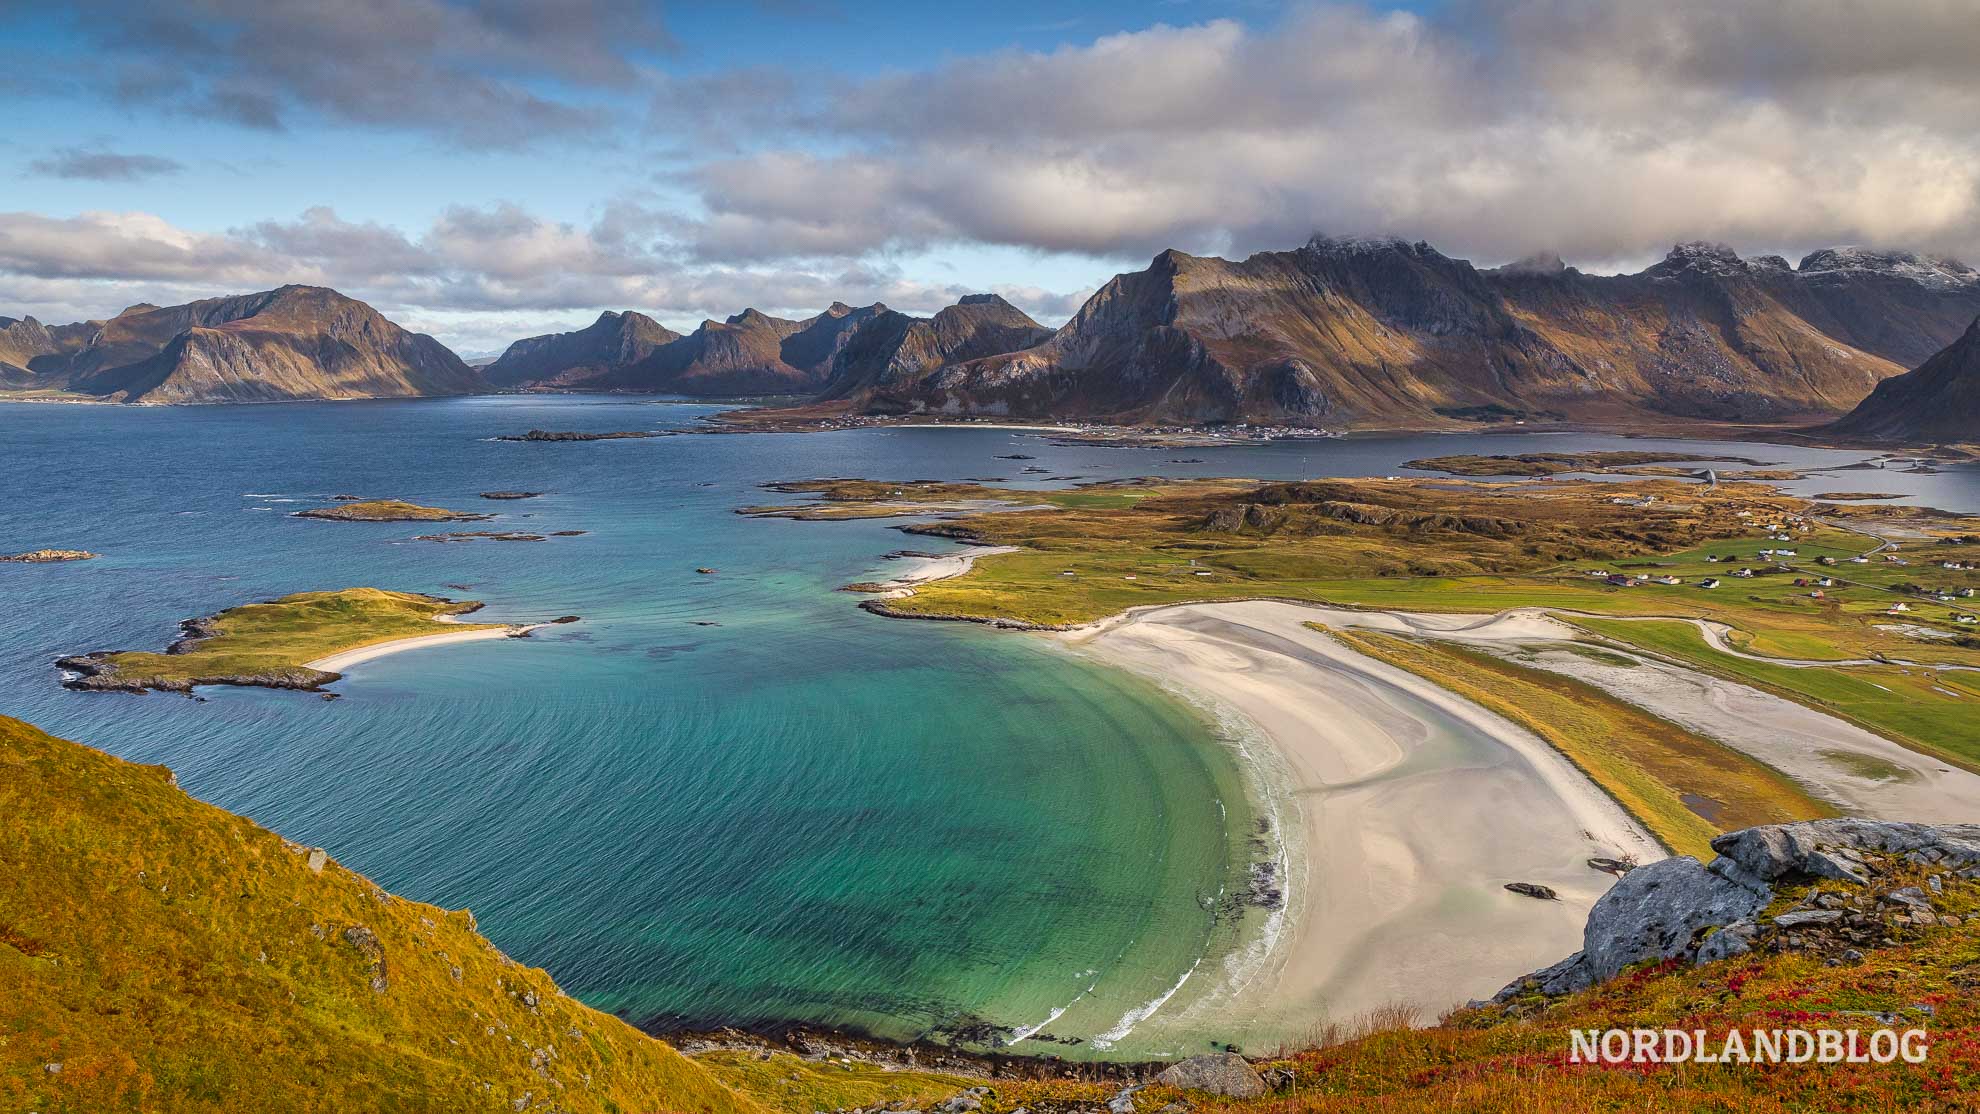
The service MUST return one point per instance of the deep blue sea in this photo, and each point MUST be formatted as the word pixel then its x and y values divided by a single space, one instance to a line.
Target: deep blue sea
pixel 802 812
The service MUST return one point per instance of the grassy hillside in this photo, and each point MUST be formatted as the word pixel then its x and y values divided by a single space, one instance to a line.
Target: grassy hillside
pixel 1517 1062
pixel 161 954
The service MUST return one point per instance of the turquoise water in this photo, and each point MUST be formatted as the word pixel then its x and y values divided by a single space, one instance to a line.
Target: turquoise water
pixel 802 813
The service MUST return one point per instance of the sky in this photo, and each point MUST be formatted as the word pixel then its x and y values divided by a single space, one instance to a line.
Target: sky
pixel 485 170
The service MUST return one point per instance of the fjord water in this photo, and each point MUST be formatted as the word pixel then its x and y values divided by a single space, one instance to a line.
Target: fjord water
pixel 726 798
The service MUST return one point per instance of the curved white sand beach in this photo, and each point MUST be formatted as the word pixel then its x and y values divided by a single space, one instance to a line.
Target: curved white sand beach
pixel 338 662
pixel 1415 809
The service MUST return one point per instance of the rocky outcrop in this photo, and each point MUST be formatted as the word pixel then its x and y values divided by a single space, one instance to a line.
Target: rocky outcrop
pixel 49 556
pixel 1361 332
pixel 577 435
pixel 1222 1073
pixel 600 350
pixel 1676 909
pixel 295 342
pixel 1939 401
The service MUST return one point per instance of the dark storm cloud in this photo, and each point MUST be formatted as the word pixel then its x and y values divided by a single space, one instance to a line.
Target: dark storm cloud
pixel 497 72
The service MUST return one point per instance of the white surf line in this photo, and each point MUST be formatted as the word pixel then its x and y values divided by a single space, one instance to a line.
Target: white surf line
pixel 1142 1012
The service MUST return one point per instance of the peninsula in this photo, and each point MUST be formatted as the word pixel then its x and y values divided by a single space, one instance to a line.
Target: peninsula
pixel 295 642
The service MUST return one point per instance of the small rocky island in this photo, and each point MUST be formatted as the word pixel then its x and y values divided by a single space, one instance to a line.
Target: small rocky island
pixel 389 510
pixel 279 643
pixel 570 435
pixel 510 494
pixel 50 556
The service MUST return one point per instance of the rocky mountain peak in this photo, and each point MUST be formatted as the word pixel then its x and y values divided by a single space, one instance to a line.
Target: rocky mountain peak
pixel 981 300
pixel 1935 272
pixel 1539 263
pixel 1701 257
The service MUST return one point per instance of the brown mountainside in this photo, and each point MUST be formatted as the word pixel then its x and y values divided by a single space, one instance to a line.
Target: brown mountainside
pixel 294 342
pixel 1342 333
pixel 897 349
pixel 1940 401
pixel 609 344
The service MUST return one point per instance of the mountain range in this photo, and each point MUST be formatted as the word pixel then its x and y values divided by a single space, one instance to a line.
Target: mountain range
pixel 1361 333
pixel 1340 333
pixel 841 353
pixel 295 342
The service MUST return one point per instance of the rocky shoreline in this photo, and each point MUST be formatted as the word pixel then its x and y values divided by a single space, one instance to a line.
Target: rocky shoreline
pixel 816 1043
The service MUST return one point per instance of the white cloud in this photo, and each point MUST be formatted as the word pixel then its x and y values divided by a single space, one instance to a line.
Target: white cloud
pixel 1602 130
pixel 484 275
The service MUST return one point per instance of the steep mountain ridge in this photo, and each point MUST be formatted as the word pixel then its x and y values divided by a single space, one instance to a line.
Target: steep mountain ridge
pixel 1938 401
pixel 896 348
pixel 1359 332
pixel 293 342
pixel 608 344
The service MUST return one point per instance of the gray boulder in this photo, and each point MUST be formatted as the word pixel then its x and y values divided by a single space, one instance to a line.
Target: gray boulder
pixel 1734 939
pixel 1664 910
pixel 1220 1073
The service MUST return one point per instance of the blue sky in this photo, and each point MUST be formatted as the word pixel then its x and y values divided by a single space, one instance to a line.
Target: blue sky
pixel 486 169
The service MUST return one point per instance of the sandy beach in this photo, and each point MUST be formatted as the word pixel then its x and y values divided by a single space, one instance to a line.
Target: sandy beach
pixel 1414 809
pixel 338 662
pixel 938 568
pixel 1861 773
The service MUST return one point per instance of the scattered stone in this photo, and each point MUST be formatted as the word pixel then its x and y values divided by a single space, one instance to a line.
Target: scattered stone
pixel 1617 867
pixel 1911 896
pixel 1218 1073
pixel 1277 1078
pixel 1533 890
pixel 1807 917
pixel 1734 939
pixel 706 572
pixel 564 619
pixel 317 858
